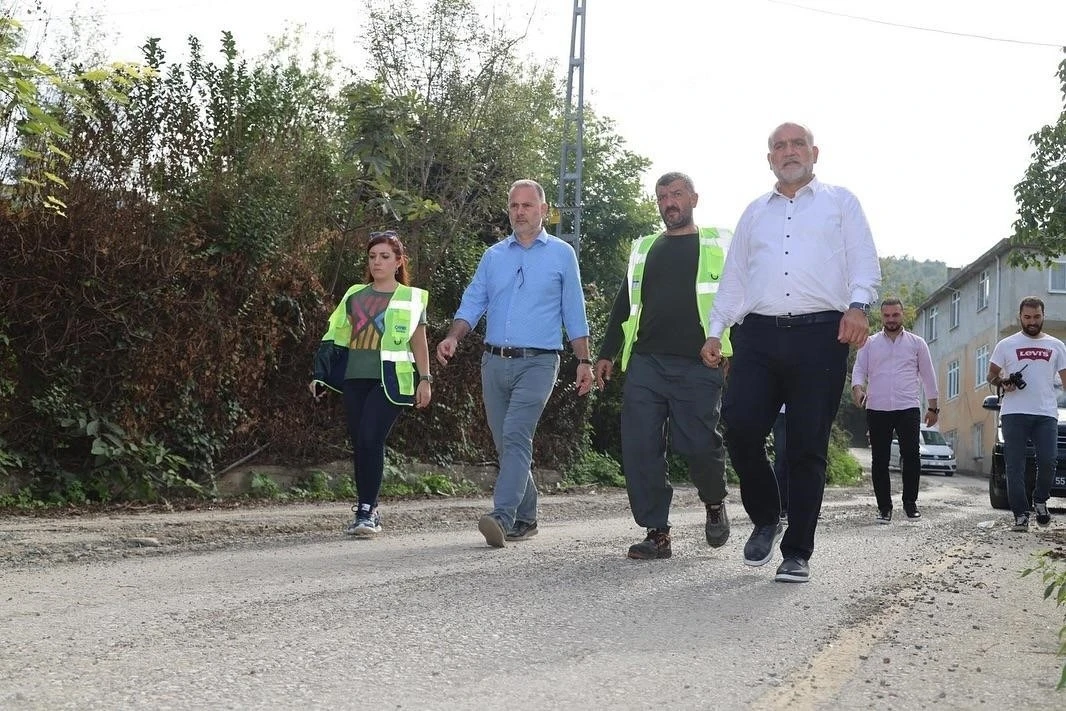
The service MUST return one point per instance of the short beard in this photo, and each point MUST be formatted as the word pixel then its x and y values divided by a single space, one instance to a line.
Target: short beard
pixel 1039 329
pixel 892 328
pixel 683 220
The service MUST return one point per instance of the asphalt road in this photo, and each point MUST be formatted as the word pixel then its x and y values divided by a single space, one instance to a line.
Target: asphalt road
pixel 931 613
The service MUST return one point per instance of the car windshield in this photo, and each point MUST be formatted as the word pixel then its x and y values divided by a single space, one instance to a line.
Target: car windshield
pixel 933 437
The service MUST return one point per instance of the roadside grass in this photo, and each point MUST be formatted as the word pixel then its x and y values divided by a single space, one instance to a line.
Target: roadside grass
pixel 1050 566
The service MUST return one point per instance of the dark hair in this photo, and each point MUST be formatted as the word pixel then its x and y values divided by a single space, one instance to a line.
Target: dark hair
pixel 1032 302
pixel 892 301
pixel 673 177
pixel 391 238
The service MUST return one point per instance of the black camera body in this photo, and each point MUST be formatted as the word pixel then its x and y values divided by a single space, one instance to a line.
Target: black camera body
pixel 1016 380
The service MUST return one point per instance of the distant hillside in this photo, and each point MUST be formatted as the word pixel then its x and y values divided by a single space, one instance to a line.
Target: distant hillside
pixel 910 279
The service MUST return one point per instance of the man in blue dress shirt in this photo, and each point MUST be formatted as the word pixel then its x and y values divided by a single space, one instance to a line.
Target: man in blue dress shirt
pixel 529 289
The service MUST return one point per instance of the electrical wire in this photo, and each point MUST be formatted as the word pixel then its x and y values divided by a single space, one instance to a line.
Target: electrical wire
pixel 902 25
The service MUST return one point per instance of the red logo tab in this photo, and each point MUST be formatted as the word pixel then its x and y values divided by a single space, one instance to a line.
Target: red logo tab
pixel 1034 354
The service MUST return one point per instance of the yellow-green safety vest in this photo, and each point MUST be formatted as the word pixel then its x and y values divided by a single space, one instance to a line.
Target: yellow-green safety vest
pixel 402 316
pixel 708 273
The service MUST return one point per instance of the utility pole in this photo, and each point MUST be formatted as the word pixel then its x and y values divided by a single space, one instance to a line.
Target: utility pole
pixel 572 157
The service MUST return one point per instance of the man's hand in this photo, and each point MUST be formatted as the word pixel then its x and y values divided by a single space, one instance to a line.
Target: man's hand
pixel 711 353
pixel 858 396
pixel 423 394
pixel 446 349
pixel 603 370
pixel 931 418
pixel 583 379
pixel 854 328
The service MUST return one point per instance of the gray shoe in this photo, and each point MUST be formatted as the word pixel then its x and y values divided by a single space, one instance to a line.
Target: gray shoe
pixel 793 570
pixel 492 530
pixel 522 530
pixel 1021 523
pixel 760 547
pixel 717 528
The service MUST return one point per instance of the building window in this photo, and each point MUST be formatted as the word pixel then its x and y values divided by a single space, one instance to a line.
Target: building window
pixel 952 438
pixel 1057 277
pixel 981 376
pixel 930 323
pixel 956 307
pixel 953 379
pixel 978 436
pixel 982 290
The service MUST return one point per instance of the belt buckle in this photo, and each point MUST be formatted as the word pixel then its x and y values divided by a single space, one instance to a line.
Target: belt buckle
pixel 506 352
pixel 783 321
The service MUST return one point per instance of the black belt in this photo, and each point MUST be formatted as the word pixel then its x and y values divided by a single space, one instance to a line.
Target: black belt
pixel 789 321
pixel 507 352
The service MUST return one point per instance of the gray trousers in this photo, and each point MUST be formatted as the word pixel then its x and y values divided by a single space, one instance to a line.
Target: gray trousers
pixel 685 395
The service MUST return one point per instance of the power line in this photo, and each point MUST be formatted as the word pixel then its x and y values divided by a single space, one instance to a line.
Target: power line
pixel 902 25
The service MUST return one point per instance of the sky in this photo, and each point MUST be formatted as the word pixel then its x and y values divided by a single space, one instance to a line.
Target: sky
pixel 923 108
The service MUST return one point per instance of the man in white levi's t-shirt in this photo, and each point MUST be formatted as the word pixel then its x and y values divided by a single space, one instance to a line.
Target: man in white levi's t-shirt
pixel 1024 366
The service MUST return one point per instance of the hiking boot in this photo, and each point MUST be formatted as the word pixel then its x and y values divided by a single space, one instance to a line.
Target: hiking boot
pixel 1043 516
pixel 884 516
pixel 1021 523
pixel 492 530
pixel 912 510
pixel 522 530
pixel 793 570
pixel 760 546
pixel 365 523
pixel 717 528
pixel 655 545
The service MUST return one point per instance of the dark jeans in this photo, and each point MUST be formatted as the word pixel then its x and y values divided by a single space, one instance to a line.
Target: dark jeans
pixel 370 417
pixel 906 424
pixel 1043 431
pixel 685 395
pixel 804 368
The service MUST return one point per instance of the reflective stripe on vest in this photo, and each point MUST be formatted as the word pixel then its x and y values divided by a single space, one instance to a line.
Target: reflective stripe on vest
pixel 708 275
pixel 397 361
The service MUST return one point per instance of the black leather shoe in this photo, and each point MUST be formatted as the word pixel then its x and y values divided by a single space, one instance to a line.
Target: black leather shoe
pixel 760 547
pixel 793 570
pixel 912 511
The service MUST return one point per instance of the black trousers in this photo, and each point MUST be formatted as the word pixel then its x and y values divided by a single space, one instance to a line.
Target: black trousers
pixel 803 367
pixel 906 424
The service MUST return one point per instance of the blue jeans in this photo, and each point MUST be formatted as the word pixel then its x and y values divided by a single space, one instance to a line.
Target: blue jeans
pixel 515 392
pixel 1043 431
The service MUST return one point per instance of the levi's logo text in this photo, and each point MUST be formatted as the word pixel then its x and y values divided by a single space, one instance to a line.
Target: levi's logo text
pixel 1034 354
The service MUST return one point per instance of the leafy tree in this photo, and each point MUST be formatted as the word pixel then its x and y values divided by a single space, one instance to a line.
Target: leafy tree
pixel 1040 231
pixel 31 132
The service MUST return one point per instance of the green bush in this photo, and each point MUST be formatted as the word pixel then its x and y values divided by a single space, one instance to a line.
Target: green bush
pixel 596 468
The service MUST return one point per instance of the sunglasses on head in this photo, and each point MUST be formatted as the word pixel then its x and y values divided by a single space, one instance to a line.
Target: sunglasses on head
pixel 386 234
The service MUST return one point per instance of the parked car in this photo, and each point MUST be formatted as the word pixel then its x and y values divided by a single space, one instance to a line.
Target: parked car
pixel 997 480
pixel 934 451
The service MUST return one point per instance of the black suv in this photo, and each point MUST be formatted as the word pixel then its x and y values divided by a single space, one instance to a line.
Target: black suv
pixel 997 480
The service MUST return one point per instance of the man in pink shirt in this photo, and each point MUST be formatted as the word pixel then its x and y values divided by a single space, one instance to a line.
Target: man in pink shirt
pixel 885 380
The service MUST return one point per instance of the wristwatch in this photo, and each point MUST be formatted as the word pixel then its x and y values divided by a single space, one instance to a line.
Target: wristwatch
pixel 934 410
pixel 426 378
pixel 584 361
pixel 865 308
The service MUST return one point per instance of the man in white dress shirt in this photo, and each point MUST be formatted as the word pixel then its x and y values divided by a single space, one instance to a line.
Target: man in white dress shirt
pixel 798 282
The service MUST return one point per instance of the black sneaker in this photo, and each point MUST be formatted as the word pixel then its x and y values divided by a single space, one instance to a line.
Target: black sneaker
pixel 1043 516
pixel 492 530
pixel 655 545
pixel 1021 523
pixel 522 530
pixel 912 510
pixel 884 516
pixel 760 546
pixel 793 570
pixel 717 528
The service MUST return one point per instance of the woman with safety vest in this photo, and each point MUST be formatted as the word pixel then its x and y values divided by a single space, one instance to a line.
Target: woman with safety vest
pixel 376 355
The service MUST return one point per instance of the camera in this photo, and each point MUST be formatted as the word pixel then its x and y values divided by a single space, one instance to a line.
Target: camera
pixel 1016 380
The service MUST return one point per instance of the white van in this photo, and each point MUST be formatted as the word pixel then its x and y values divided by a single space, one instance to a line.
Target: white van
pixel 935 452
